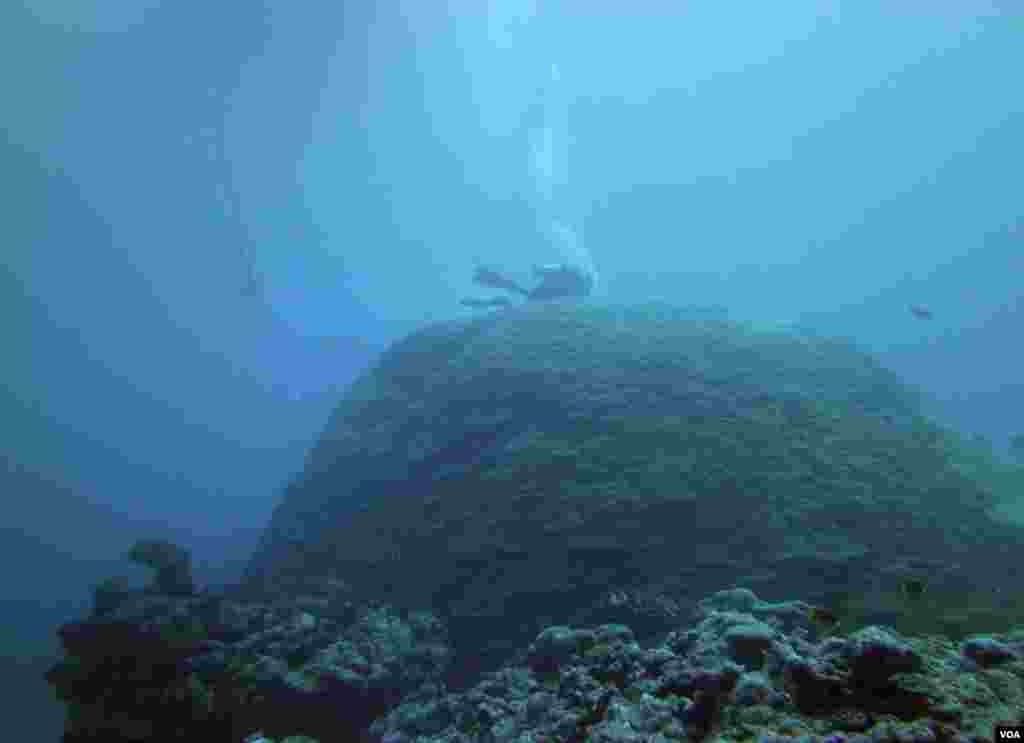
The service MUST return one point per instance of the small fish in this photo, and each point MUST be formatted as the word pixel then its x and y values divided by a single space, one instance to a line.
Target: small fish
pixel 920 312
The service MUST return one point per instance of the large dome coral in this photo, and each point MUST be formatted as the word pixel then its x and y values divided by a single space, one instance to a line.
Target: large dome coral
pixel 523 466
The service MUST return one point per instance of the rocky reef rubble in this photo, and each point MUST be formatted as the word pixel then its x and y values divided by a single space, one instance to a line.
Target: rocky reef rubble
pixel 746 671
pixel 152 666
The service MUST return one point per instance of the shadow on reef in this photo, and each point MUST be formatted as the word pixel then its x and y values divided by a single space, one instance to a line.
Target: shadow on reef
pixel 148 665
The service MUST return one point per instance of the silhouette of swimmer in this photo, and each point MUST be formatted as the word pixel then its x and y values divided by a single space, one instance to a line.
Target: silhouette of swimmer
pixel 554 281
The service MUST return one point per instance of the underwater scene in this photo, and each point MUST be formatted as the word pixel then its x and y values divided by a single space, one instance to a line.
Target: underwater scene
pixel 512 371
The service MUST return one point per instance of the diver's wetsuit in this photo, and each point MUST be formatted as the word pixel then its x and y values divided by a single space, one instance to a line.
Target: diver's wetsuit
pixel 561 280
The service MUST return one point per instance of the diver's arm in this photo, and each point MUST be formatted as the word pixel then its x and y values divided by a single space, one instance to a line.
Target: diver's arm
pixel 494 279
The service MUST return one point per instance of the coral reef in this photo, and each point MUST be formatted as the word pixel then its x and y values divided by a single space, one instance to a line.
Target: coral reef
pixel 516 528
pixel 536 463
pixel 214 667
pixel 745 671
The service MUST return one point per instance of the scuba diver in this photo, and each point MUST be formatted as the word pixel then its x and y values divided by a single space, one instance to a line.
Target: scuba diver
pixel 555 281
